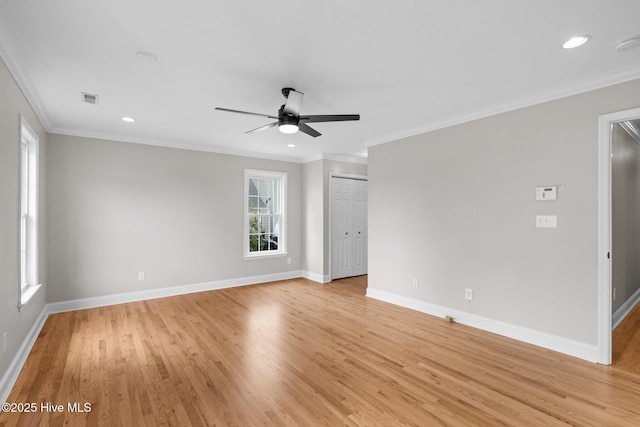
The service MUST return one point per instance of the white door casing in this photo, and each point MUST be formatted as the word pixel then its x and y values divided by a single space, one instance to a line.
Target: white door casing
pixel 604 229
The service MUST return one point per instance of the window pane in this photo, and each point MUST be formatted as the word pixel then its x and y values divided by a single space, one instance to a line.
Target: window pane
pixel 265 221
pixel 276 227
pixel 253 204
pixel 24 178
pixel 23 250
pixel 263 195
pixel 263 233
pixel 255 232
pixel 273 243
pixel 253 188
pixel 264 204
pixel 253 243
pixel 254 225
pixel 275 195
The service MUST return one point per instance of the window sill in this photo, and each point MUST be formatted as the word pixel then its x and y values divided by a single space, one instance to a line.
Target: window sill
pixel 26 295
pixel 266 256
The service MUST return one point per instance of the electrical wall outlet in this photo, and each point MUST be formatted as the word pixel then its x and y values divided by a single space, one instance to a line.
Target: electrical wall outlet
pixel 468 294
pixel 414 283
pixel 5 344
pixel 614 294
pixel 140 275
pixel 289 260
pixel 547 221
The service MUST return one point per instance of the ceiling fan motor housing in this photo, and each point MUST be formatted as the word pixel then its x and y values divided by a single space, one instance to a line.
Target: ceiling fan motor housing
pixel 286 118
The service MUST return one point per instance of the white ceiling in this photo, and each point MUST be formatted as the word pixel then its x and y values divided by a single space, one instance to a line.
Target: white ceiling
pixel 405 66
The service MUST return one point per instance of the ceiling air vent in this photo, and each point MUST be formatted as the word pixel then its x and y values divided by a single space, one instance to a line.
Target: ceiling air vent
pixel 89 98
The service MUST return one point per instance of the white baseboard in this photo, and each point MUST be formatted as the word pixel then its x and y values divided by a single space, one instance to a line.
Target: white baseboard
pixel 624 310
pixel 80 304
pixel 541 339
pixel 316 277
pixel 11 375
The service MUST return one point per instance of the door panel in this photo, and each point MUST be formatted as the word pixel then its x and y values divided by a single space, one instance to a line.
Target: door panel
pixel 341 227
pixel 360 227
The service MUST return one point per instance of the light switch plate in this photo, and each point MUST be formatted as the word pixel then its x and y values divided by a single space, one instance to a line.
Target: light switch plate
pixel 547 193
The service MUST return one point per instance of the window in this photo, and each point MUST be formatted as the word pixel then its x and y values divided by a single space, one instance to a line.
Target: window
pixel 264 211
pixel 28 212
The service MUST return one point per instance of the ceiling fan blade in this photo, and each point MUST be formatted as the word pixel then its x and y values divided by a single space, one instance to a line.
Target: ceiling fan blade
pixel 246 112
pixel 329 118
pixel 270 125
pixel 294 101
pixel 308 130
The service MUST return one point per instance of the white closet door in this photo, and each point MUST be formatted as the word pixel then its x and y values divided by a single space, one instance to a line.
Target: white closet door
pixel 359 215
pixel 349 233
pixel 342 264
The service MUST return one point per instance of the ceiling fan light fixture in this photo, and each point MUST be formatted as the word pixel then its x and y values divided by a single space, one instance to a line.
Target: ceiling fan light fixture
pixel 287 123
pixel 288 128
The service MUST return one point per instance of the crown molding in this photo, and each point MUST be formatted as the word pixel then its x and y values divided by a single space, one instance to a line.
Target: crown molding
pixel 337 157
pixel 558 92
pixel 23 82
pixel 346 158
pixel 176 145
pixel 208 148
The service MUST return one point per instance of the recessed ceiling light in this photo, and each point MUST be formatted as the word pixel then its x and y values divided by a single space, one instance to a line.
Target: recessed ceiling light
pixel 128 119
pixel 576 41
pixel 291 145
pixel 147 57
pixel 628 45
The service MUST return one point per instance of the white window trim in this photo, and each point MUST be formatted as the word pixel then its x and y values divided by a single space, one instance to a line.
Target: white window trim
pixel 282 232
pixel 28 266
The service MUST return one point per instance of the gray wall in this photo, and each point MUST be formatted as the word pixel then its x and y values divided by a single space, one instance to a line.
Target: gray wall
pixel 17 324
pixel 119 208
pixel 625 215
pixel 313 218
pixel 316 210
pixel 455 208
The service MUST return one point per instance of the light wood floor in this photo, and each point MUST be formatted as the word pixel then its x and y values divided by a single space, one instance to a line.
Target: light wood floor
pixel 299 353
pixel 626 342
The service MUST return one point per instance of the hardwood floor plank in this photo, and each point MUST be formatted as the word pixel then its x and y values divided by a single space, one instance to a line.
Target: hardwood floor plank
pixel 298 353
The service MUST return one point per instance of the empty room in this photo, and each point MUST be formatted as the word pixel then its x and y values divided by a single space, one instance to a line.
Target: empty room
pixel 418 213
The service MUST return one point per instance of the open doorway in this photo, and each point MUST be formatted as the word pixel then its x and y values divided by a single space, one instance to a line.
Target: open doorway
pixel 608 126
pixel 625 249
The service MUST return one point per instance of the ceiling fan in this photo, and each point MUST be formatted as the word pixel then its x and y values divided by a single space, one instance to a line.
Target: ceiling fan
pixel 289 119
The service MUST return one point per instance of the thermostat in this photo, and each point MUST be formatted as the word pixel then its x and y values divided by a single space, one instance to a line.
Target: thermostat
pixel 547 193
